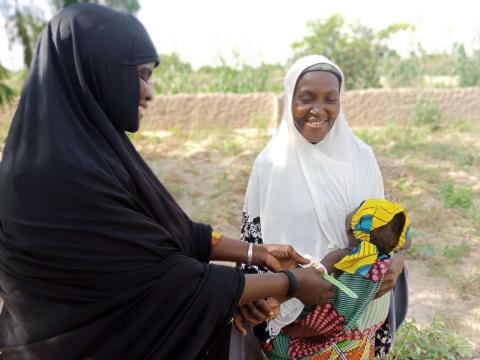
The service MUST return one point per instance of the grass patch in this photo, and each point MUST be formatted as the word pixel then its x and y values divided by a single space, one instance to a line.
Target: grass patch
pixel 463 125
pixel 231 147
pixel 455 253
pixel 372 137
pixel 421 251
pixel 222 185
pixel 470 287
pixel 433 343
pixel 457 197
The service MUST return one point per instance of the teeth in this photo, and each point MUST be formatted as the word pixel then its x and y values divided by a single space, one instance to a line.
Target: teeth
pixel 316 123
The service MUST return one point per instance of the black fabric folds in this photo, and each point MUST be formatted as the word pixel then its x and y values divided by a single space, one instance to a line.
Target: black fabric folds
pixel 97 260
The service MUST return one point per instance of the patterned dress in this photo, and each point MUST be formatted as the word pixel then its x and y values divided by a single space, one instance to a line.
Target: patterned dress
pixel 362 335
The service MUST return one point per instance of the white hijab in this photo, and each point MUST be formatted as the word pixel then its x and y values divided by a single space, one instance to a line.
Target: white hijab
pixel 302 192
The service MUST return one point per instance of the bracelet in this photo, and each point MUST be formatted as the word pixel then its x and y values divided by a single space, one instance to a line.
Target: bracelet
pixel 293 283
pixel 250 254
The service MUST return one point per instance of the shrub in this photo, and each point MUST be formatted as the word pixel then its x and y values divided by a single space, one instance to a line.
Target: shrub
pixel 427 113
pixel 433 343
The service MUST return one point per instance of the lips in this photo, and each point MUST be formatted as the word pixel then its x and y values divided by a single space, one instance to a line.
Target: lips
pixel 315 123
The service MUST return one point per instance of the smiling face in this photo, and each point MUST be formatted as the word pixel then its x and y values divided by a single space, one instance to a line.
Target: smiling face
pixel 146 91
pixel 316 104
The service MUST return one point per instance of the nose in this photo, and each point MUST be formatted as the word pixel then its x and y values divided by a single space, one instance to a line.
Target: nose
pixel 318 109
pixel 146 95
pixel 149 95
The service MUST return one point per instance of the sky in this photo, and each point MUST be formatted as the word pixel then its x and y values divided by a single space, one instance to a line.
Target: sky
pixel 204 31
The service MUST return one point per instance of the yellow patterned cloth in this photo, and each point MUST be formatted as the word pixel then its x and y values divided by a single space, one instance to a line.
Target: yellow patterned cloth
pixel 371 214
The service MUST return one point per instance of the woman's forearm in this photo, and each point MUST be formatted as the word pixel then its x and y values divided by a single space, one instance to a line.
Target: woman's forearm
pixel 229 249
pixel 262 286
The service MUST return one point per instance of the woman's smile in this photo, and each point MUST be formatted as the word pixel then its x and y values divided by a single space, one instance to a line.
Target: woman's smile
pixel 316 123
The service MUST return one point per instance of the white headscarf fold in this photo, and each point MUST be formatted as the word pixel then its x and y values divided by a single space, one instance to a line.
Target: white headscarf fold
pixel 302 192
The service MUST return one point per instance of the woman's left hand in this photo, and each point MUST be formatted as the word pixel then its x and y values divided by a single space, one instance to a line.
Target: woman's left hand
pixel 256 313
pixel 281 257
pixel 393 271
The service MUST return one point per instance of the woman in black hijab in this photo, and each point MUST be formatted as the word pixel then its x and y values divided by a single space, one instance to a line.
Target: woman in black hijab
pixel 97 260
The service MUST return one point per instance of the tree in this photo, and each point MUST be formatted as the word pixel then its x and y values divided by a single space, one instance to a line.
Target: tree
pixel 357 49
pixel 23 25
pixel 6 92
pixel 25 22
pixel 130 6
pixel 467 68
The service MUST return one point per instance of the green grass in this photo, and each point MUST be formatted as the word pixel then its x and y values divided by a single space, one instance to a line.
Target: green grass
pixel 457 197
pixel 463 125
pixel 433 343
pixel 455 253
pixel 421 251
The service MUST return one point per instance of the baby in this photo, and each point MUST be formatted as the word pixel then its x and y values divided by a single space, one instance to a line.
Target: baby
pixel 375 229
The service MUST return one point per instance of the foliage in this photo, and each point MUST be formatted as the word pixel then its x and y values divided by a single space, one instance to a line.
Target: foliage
pixel 23 25
pixel 356 48
pixel 364 54
pixel 6 92
pixel 427 113
pixel 176 76
pixel 130 6
pixel 457 196
pixel 455 253
pixel 25 22
pixel 432 343
pixel 467 67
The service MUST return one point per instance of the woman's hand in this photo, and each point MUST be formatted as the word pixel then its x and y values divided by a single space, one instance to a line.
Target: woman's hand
pixel 393 271
pixel 312 289
pixel 280 257
pixel 256 313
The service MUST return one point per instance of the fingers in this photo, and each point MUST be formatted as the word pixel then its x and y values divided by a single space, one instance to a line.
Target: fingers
pixel 297 257
pixel 274 307
pixel 386 286
pixel 264 307
pixel 273 264
pixel 252 315
pixel 238 322
pixel 329 294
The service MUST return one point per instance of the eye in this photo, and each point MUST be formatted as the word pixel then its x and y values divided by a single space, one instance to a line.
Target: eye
pixel 332 100
pixel 305 99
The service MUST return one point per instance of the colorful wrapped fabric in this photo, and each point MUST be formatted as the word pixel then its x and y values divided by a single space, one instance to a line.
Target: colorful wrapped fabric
pixel 345 327
pixel 370 215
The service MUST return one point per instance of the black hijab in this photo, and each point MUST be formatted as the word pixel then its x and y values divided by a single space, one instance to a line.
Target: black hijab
pixel 97 260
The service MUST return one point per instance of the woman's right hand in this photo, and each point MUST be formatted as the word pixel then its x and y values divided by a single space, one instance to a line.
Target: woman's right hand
pixel 312 289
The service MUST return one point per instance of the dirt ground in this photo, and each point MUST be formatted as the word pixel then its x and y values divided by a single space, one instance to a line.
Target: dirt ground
pixel 435 174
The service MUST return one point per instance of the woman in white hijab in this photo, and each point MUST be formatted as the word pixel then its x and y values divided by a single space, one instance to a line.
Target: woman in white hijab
pixel 313 172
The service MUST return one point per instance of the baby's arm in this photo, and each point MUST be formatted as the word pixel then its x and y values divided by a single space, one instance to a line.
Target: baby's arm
pixel 332 258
